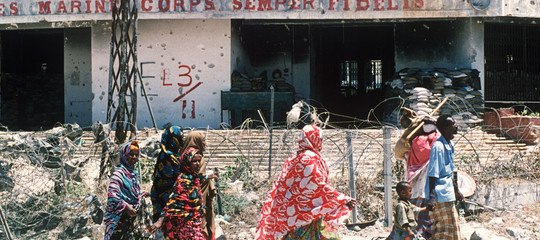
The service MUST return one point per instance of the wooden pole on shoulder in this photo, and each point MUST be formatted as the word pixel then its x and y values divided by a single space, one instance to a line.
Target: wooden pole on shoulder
pixel 431 115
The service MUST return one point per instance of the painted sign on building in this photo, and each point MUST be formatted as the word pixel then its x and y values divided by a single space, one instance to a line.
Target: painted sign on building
pixel 228 8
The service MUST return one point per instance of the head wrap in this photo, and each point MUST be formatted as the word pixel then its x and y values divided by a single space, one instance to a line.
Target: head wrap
pixel 187 157
pixel 124 153
pixel 166 168
pixel 172 140
pixel 196 140
pixel 301 193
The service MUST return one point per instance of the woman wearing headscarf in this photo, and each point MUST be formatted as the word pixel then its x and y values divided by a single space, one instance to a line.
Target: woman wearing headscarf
pixel 197 140
pixel 166 169
pixel 301 204
pixel 181 217
pixel 124 195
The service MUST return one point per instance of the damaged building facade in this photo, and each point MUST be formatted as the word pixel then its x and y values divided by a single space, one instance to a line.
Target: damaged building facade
pixel 204 62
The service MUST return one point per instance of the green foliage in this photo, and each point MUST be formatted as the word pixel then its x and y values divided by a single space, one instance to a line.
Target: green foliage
pixel 233 204
pixel 77 189
pixel 242 171
pixel 147 169
pixel 530 114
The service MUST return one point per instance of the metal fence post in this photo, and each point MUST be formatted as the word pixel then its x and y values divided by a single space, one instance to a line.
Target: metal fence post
pixel 271 127
pixel 352 181
pixel 387 148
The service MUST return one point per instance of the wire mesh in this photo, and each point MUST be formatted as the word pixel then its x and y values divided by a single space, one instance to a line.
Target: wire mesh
pixel 51 187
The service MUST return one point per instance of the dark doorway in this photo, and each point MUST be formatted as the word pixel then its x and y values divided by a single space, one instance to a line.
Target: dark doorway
pixel 512 53
pixel 352 65
pixel 32 86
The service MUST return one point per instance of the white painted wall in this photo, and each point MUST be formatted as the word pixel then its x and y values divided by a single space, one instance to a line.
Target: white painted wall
pixel 189 58
pixel 77 76
pixel 101 38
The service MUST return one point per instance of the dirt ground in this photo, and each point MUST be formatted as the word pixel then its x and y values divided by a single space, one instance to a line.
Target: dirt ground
pixel 519 223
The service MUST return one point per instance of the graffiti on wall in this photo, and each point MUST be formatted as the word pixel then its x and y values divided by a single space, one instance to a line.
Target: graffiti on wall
pixel 183 81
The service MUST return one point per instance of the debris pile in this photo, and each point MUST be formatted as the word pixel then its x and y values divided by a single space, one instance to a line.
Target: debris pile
pixel 423 90
pixel 43 188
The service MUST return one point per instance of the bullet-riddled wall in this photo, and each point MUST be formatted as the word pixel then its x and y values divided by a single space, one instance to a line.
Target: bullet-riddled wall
pixel 185 64
pixel 77 76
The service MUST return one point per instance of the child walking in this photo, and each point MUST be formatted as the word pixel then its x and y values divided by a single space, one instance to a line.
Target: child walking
pixel 405 213
pixel 181 217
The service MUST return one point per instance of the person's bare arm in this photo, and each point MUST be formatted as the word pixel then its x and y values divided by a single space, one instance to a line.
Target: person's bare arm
pixel 157 225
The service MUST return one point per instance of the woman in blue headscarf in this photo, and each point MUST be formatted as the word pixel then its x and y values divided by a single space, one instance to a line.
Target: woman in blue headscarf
pixel 124 195
pixel 166 169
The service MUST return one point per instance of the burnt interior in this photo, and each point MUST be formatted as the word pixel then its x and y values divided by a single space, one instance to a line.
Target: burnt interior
pixel 32 83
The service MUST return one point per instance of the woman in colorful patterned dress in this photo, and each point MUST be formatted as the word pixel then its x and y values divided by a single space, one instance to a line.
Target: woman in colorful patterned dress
pixel 181 216
pixel 197 140
pixel 301 204
pixel 124 195
pixel 166 169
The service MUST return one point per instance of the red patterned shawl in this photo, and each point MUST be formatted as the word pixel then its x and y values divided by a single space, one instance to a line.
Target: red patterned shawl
pixel 301 194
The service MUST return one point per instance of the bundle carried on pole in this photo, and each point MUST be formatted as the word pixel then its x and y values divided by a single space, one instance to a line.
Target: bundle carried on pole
pixel 431 115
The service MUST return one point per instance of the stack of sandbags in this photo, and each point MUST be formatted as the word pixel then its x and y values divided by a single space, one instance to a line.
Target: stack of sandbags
pixel 420 101
pixel 240 82
pixel 423 89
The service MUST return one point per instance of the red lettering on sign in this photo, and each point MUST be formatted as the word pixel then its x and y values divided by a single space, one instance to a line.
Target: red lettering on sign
pixel 308 2
pixel 415 3
pixel 209 5
pixel 419 3
pixel 250 5
pixel 346 7
pixel 44 7
pixel 279 3
pixel 378 5
pixel 88 4
pixel 265 5
pixel 165 84
pixel 14 8
pixel 193 3
pixel 146 7
pixel 237 5
pixel 331 4
pixel 295 4
pixel 362 5
pixel 391 5
pixel 100 6
pixel 2 6
pixel 164 7
pixel 179 4
pixel 61 7
pixel 76 5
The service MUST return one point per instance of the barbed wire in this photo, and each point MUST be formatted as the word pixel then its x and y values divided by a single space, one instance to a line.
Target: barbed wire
pixel 51 188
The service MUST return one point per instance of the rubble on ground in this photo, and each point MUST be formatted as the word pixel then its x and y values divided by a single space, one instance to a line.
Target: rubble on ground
pixel 50 189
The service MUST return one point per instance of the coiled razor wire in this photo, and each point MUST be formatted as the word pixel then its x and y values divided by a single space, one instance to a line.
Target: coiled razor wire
pixel 50 185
